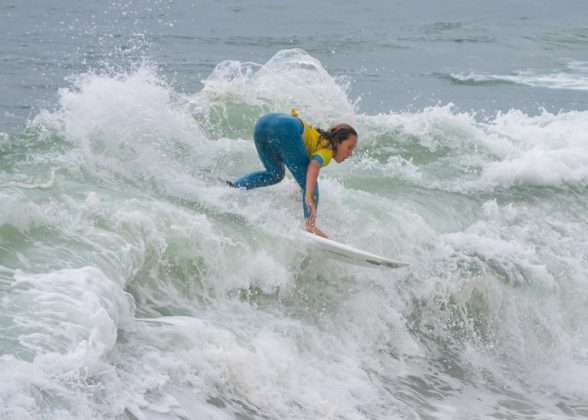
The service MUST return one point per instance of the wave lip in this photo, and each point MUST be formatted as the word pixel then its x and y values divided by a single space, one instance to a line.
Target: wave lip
pixel 290 78
pixel 574 77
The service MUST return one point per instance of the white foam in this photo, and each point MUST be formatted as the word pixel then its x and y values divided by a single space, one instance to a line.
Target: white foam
pixel 573 77
pixel 549 150
pixel 84 296
pixel 291 78
pixel 64 327
pixel 123 125
pixel 276 369
pixel 512 149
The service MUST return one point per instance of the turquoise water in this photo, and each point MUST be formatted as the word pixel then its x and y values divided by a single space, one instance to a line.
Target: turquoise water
pixel 134 285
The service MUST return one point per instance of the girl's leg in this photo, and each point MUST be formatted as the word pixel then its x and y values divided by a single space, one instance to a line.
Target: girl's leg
pixel 278 139
pixel 294 155
pixel 268 154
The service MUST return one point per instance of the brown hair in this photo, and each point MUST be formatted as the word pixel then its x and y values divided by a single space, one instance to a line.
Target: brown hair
pixel 336 134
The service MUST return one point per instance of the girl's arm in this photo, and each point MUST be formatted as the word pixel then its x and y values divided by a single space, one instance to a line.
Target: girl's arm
pixel 311 177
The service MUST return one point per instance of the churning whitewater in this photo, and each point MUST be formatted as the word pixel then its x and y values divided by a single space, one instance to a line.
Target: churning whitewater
pixel 135 285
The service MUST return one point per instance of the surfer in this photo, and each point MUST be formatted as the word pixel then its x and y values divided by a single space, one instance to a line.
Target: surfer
pixel 284 140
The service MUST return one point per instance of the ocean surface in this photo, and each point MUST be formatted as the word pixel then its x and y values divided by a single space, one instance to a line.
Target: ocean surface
pixel 134 285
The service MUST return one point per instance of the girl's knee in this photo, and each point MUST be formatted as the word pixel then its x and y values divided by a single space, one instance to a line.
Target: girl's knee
pixel 279 175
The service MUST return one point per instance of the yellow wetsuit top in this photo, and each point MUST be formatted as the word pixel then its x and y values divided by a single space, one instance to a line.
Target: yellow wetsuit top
pixel 317 150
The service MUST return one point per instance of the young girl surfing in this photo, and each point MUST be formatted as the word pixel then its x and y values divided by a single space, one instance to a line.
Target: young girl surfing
pixel 285 140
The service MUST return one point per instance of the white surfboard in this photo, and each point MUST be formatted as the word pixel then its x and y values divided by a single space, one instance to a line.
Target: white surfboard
pixel 349 254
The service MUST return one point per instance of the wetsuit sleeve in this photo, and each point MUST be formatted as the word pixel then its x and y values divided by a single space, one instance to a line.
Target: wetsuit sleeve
pixel 323 156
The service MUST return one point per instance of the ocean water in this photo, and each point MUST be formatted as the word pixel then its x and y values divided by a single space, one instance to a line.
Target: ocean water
pixel 135 285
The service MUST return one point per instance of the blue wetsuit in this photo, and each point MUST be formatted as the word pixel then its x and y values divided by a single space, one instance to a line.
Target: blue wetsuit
pixel 279 143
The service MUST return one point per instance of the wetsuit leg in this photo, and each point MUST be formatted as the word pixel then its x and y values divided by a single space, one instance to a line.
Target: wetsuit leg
pixel 294 155
pixel 278 139
pixel 265 142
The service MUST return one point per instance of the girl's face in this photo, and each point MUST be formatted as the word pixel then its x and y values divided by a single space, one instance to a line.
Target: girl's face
pixel 345 149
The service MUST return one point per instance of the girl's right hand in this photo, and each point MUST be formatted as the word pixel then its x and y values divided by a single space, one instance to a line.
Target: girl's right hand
pixel 310 227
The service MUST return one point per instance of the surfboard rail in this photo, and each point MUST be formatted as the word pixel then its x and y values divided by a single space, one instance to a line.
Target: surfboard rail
pixel 350 254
